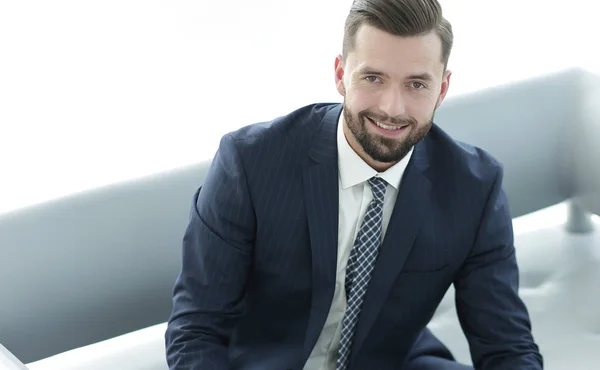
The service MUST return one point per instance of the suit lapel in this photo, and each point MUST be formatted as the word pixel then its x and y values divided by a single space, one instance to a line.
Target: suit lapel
pixel 322 197
pixel 411 205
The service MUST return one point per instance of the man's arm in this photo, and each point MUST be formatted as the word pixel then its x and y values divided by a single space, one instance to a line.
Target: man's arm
pixel 492 315
pixel 217 248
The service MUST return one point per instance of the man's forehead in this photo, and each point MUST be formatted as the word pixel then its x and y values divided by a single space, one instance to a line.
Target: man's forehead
pixel 378 49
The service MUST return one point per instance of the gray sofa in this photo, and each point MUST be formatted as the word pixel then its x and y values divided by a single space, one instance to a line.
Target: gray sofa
pixel 91 274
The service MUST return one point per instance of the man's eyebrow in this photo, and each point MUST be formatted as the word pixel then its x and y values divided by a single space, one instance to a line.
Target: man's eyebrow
pixel 421 76
pixel 371 71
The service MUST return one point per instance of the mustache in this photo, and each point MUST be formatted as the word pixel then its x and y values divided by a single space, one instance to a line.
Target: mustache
pixel 393 120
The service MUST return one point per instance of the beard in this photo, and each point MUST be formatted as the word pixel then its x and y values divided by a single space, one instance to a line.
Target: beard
pixel 385 149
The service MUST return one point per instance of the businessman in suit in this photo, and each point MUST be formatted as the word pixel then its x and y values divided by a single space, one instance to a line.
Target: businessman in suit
pixel 325 239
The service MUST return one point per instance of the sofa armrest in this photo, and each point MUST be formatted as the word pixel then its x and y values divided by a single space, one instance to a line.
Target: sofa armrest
pixel 141 349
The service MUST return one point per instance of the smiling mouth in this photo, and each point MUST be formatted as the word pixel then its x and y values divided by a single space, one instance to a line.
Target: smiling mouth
pixel 386 126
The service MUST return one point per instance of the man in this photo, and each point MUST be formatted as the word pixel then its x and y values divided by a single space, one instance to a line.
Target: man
pixel 325 239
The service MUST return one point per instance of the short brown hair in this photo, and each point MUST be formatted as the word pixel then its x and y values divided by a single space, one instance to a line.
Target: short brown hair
pixel 401 18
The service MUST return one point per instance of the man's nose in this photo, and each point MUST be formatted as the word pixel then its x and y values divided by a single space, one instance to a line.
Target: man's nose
pixel 392 102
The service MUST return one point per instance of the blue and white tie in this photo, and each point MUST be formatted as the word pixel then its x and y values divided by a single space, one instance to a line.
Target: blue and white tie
pixel 360 265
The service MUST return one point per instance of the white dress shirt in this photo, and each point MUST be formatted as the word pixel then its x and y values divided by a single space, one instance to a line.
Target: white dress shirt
pixel 354 196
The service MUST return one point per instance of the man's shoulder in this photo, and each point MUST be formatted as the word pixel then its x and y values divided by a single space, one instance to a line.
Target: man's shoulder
pixel 463 162
pixel 299 125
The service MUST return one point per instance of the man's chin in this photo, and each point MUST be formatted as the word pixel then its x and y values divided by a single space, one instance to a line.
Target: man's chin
pixel 387 157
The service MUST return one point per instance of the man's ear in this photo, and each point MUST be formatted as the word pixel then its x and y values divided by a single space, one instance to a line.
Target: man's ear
pixel 339 75
pixel 444 88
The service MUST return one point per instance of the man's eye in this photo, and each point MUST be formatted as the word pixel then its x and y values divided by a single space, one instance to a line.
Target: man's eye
pixel 418 85
pixel 372 78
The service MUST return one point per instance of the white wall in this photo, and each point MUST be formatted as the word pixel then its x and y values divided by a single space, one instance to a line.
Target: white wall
pixel 95 92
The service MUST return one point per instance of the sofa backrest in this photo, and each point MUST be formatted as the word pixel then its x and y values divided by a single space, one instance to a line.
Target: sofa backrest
pixel 586 144
pixel 94 265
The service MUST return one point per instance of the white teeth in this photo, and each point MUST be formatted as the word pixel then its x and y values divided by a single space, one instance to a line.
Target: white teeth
pixel 386 127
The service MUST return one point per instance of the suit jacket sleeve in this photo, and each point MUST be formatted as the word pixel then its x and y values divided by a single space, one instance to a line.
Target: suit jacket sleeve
pixel 492 315
pixel 217 249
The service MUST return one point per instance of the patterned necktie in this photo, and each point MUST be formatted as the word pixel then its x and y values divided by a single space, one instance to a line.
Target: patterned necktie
pixel 360 265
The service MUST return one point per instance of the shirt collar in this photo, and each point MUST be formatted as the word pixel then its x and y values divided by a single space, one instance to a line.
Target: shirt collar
pixel 353 170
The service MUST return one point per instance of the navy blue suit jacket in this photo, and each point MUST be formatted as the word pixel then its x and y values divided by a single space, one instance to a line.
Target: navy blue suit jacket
pixel 259 254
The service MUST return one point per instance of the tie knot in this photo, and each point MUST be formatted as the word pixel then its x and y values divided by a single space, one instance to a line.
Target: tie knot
pixel 378 186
